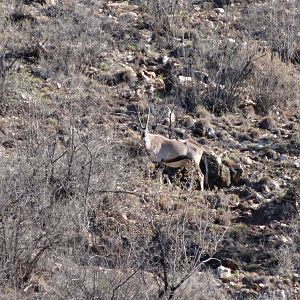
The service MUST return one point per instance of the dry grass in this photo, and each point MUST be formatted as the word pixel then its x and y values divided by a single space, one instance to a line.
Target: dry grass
pixel 80 215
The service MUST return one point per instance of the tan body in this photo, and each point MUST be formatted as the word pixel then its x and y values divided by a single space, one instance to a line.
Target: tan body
pixel 174 153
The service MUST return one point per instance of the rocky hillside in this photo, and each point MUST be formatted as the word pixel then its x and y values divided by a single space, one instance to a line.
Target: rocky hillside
pixel 83 213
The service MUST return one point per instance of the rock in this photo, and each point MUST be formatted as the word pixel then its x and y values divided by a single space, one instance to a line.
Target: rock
pixel 297 163
pixel 167 116
pixel 185 79
pixel 236 169
pixel 236 172
pixel 219 10
pixel 2 152
pixel 271 154
pixel 283 157
pixel 225 178
pixel 188 122
pixel 247 160
pixel 266 123
pixel 200 128
pixel 211 133
pixel 285 240
pixel 164 58
pixel 296 277
pixel 114 78
pixel 213 163
pixel 218 175
pixel 266 184
pixel 224 273
pixel 8 144
pixel 230 263
pixel 275 209
pixel 41 73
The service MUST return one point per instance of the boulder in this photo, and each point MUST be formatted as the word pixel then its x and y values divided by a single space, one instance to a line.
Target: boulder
pixel 219 173
pixel 266 123
pixel 236 173
pixel 224 176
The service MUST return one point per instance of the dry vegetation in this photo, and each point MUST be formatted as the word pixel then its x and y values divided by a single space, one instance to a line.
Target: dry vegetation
pixel 81 215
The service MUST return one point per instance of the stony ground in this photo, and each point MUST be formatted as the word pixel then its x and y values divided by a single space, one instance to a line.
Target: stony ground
pixel 81 217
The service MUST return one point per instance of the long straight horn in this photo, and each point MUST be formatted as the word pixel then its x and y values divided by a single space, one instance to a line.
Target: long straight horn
pixel 148 116
pixel 139 118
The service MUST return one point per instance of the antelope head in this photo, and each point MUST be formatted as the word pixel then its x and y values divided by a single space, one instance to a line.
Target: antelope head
pixel 143 129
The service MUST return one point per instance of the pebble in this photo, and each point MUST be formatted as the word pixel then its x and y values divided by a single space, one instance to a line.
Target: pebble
pixel 224 273
pixel 219 10
pixel 2 152
pixel 297 163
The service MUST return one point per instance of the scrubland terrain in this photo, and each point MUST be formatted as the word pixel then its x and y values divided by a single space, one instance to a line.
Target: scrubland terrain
pixel 83 214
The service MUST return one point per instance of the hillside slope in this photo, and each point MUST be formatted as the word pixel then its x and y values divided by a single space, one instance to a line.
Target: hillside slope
pixel 83 213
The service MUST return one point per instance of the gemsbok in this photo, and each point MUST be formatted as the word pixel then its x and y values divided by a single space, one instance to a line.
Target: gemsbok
pixel 171 152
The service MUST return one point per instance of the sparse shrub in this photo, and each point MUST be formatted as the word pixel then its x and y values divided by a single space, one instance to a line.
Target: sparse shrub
pixel 188 121
pixel 49 200
pixel 201 112
pixel 280 22
pixel 288 254
pixel 228 67
pixel 201 127
pixel 167 18
pixel 273 86
pixel 239 232
pixel 179 242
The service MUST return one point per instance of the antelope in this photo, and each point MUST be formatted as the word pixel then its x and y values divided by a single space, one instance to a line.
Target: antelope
pixel 171 152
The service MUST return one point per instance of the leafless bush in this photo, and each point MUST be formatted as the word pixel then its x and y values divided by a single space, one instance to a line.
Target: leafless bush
pixel 94 228
pixel 178 246
pixel 27 229
pixel 279 22
pixel 168 17
pixel 230 67
pixel 74 43
pixel 44 196
pixel 234 72
pixel 227 70
pixel 5 69
pixel 273 86
pixel 288 254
